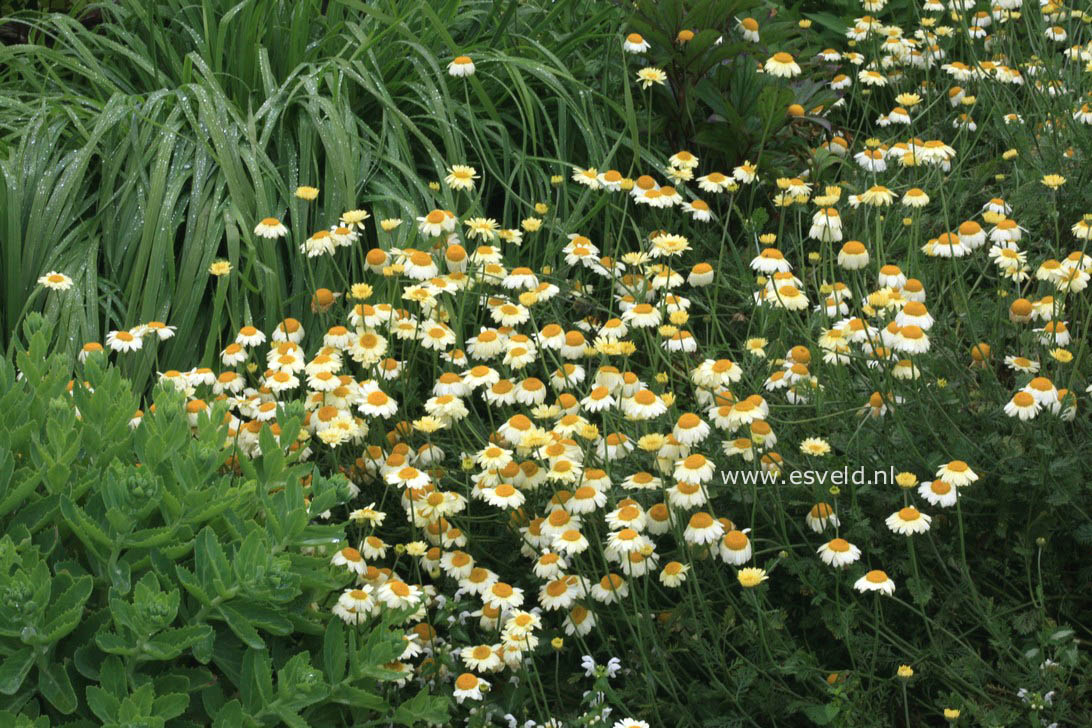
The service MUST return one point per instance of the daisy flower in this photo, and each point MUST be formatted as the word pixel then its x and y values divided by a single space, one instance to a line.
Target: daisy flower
pixel 649 76
pixel 484 228
pixel 703 529
pixel 749 28
pixel 821 515
pixel 815 446
pixel 673 574
pixel 55 281
pixel 481 657
pixel 461 66
pixel 957 473
pixel 635 43
pixel 351 559
pixel 469 686
pixel 751 577
pixel 1023 405
pixel 875 580
pixel 271 228
pixel 396 594
pixel 695 468
pixel 461 177
pixel 500 595
pixel 354 606
pixel 735 547
pixel 938 493
pixel 249 336
pixel 838 552
pixel 611 588
pixel 436 223
pixel 124 341
pixel 782 65
pixel 908 521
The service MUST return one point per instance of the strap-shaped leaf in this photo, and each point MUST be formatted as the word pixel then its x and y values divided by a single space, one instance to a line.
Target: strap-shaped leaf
pixel 334 653
pixel 56 686
pixel 213 569
pixel 257 680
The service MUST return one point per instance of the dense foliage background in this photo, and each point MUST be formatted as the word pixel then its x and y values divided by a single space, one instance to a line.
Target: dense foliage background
pixel 148 579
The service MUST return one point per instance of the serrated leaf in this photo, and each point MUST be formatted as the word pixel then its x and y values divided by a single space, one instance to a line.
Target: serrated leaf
pixel 359 698
pixel 230 716
pixel 104 705
pixel 269 620
pixel 170 643
pixel 147 538
pixel 292 719
pixel 114 644
pixel 821 714
pixel 241 626
pixel 189 582
pixel 61 625
pixel 422 708
pixel 112 677
pixel 257 676
pixel 27 481
pixel 69 609
pixel 83 526
pixel 334 652
pixel 56 686
pixel 171 705
pixel 212 567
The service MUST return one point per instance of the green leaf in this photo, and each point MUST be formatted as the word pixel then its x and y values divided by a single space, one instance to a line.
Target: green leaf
pixel 257 674
pixel 26 481
pixel 85 529
pixel 189 582
pixel 112 677
pixel 171 705
pixel 253 553
pixel 334 652
pixel 103 704
pixel 292 719
pixel 14 670
pixel 241 626
pixel 213 569
pixel 422 708
pixel 359 698
pixel 170 643
pixel 231 716
pixel 69 610
pixel 268 619
pixel 147 538
pixel 114 644
pixel 821 714
pixel 55 685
